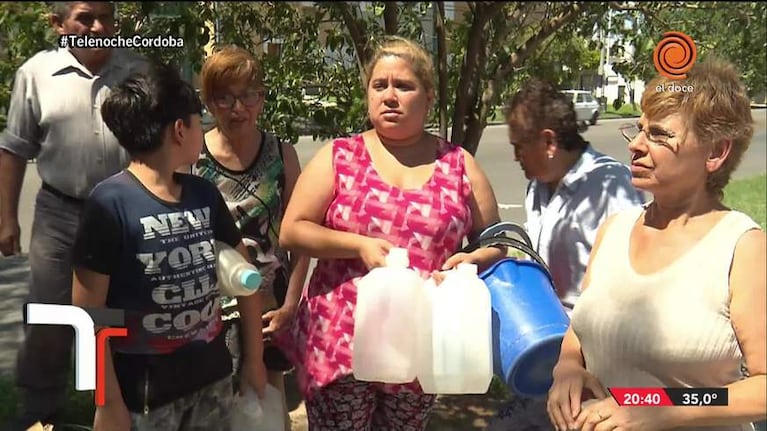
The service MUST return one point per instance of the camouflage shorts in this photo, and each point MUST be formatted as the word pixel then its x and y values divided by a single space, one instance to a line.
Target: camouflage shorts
pixel 205 410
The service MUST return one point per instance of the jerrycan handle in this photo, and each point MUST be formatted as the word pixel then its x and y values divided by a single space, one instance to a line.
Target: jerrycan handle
pixel 466 268
pixel 398 258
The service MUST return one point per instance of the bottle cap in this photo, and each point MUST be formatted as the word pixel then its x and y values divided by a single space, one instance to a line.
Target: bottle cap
pixel 250 279
pixel 398 257
pixel 467 268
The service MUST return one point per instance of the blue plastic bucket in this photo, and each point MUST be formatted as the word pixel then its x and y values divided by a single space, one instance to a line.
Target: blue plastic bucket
pixel 529 323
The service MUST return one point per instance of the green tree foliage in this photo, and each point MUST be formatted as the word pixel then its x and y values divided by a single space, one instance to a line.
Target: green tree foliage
pixel 563 58
pixel 734 31
pixel 24 30
pixel 496 44
pixel 490 48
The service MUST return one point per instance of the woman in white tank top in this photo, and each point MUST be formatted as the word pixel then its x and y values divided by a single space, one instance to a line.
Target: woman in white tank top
pixel 674 294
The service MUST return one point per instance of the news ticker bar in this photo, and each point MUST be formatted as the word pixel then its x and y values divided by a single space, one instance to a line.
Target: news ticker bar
pixel 661 397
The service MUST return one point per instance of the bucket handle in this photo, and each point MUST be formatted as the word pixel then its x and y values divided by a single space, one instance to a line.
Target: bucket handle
pixel 493 235
pixel 502 227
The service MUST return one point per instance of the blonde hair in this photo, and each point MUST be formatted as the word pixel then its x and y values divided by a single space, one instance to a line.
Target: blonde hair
pixel 228 65
pixel 412 52
pixel 715 106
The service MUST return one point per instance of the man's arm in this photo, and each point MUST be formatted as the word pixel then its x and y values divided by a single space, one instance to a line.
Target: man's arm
pixel 12 169
pixel 19 142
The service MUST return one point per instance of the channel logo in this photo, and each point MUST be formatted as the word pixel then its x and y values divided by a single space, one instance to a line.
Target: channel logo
pixel 674 55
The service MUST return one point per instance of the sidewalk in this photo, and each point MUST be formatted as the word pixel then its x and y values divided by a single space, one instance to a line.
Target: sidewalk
pixel 14 273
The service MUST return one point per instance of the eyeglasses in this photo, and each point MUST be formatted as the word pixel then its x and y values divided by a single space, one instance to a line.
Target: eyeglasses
pixel 654 134
pixel 248 99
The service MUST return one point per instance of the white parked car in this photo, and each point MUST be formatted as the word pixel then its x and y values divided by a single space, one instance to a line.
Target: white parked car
pixel 586 106
pixel 311 96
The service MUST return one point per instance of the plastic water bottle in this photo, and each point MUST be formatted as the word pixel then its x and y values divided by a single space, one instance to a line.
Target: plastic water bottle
pixel 236 276
pixel 456 356
pixel 389 301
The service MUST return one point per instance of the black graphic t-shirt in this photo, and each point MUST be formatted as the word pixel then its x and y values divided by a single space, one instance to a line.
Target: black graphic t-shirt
pixel 160 257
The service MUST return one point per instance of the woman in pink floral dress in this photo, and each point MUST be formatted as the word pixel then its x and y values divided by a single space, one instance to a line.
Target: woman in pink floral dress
pixel 393 186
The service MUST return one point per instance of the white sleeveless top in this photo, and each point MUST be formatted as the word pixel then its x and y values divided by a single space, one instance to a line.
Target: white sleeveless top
pixel 671 328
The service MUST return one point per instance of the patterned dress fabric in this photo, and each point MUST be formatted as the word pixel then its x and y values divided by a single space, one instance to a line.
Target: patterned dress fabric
pixel 254 197
pixel 351 405
pixel 430 222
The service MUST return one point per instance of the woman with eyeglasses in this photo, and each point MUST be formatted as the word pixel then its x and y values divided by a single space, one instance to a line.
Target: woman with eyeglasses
pixel 674 294
pixel 255 173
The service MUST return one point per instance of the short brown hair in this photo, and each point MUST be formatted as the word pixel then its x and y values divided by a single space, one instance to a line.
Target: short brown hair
pixel 540 105
pixel 227 65
pixel 412 52
pixel 716 107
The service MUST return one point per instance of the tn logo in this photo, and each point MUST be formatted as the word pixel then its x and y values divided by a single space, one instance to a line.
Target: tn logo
pixel 89 344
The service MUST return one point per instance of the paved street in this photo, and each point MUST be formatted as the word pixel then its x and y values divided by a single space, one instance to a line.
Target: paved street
pixel 494 155
pixel 497 159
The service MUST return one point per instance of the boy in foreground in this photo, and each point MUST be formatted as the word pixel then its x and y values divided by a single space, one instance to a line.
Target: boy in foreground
pixel 146 246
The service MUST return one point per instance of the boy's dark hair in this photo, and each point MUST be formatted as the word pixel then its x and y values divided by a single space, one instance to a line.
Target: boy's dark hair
pixel 139 110
pixel 543 106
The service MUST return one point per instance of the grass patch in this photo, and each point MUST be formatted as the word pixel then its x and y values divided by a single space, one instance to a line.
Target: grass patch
pixel 497 114
pixel 8 397
pixel 78 406
pixel 498 390
pixel 625 111
pixel 748 196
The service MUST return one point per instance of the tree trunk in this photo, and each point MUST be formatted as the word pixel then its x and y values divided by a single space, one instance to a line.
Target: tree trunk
pixel 466 92
pixel 476 121
pixel 439 30
pixel 358 33
pixel 390 17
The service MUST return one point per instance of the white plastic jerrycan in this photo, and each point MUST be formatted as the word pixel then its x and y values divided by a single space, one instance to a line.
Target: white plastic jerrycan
pixel 236 276
pixel 456 356
pixel 389 300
